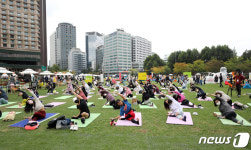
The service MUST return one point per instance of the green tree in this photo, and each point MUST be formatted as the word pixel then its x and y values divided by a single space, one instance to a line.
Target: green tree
pixel 153 61
pixel 198 66
pixel 54 68
pixel 180 68
pixel 134 72
pixel 214 65
pixel 246 55
pixel 182 57
pixel 173 58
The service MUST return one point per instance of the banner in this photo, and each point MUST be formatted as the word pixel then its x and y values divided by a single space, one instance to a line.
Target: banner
pixel 119 76
pixel 189 74
pixel 88 79
pixel 142 76
pixel 249 75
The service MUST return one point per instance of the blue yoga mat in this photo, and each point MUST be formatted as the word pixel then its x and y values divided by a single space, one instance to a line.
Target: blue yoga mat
pixel 22 123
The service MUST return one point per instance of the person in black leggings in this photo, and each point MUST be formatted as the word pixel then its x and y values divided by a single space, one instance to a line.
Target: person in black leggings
pixel 226 110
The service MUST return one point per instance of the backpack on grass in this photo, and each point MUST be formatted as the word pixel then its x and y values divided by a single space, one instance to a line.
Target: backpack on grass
pixel 53 123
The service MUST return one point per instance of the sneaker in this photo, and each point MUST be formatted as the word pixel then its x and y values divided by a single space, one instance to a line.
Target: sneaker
pixel 72 127
pixel 92 105
pixel 112 122
pixel 245 106
pixel 195 113
pixel 83 120
pixel 76 126
pixel 241 122
pixel 184 118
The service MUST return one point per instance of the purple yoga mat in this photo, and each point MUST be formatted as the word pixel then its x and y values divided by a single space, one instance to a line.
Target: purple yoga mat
pixel 89 96
pixel 42 96
pixel 175 120
pixel 55 104
pixel 129 123
pixel 206 99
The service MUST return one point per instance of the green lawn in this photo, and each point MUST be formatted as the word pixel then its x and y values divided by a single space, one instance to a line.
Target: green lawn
pixel 154 133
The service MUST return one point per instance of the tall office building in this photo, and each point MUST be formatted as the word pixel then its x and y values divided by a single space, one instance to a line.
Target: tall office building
pixel 76 60
pixel 117 52
pixel 141 48
pixel 99 58
pixel 93 41
pixel 23 34
pixel 53 49
pixel 62 41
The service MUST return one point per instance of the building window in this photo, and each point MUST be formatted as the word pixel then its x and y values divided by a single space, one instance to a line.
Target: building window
pixel 4 17
pixel 33 38
pixel 32 16
pixel 3 21
pixel 11 17
pixel 19 32
pixel 11 31
pixel 32 34
pixel 19 42
pixel 12 41
pixel 18 19
pixel 25 9
pixel 25 19
pixel 26 46
pixel 18 8
pixel 26 33
pixel 26 38
pixel 25 15
pixel 19 37
pixel 12 45
pixel 4 31
pixel 26 24
pixel 3 1
pixel 32 2
pixel 4 45
pixel 33 43
pixel 33 47
pixel 19 46
pixel 19 28
pixel 33 30
pixel 3 5
pixel 3 11
pixel 4 35
pixel 18 14
pixel 4 40
pixel 32 25
pixel 25 5
pixel 11 2
pixel 12 36
pixel 11 6
pixel 26 42
pixel 11 22
pixel 26 29
pixel 18 3
pixel 19 23
pixel 4 26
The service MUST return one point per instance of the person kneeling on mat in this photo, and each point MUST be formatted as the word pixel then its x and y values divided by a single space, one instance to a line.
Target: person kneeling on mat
pixel 36 105
pixel 226 110
pixel 82 106
pixel 177 110
pixel 125 108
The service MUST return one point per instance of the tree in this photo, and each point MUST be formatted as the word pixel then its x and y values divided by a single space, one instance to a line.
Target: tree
pixel 182 57
pixel 214 65
pixel 54 68
pixel 153 61
pixel 206 54
pixel 180 68
pixel 173 58
pixel 134 72
pixel 198 66
pixel 246 55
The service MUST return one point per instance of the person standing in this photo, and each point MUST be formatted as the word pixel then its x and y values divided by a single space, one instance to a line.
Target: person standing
pixel 221 80
pixel 239 78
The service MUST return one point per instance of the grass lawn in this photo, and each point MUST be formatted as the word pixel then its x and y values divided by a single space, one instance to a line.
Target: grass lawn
pixel 153 134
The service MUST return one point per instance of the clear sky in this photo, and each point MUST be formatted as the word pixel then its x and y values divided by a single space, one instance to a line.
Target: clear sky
pixel 170 25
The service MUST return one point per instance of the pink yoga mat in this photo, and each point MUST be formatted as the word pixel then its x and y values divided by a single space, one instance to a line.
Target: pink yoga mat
pixel 184 106
pixel 42 96
pixel 55 104
pixel 129 123
pixel 175 120
pixel 206 99
pixel 89 97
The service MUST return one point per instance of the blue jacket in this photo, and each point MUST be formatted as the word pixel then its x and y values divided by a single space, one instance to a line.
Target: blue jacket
pixel 122 111
pixel 3 94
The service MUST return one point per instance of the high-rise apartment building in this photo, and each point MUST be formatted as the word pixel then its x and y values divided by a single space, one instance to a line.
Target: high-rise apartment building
pixel 23 34
pixel 93 41
pixel 117 52
pixel 141 48
pixel 76 60
pixel 62 41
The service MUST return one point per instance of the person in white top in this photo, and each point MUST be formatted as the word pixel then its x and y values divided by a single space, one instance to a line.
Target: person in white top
pixel 35 105
pixel 177 110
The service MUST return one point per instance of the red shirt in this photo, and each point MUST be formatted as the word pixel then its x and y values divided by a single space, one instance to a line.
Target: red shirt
pixel 82 95
pixel 239 79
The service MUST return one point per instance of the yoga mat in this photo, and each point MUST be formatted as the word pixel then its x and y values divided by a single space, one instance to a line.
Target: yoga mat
pixel 206 99
pixel 9 103
pixel 100 98
pixel 175 120
pixel 22 123
pixel 55 104
pixel 42 96
pixel 129 123
pixel 89 96
pixel 154 98
pixel 249 104
pixel 64 97
pixel 15 106
pixel 87 121
pixel 147 106
pixel 184 106
pixel 5 113
pixel 91 93
pixel 75 106
pixel 230 122
pixel 107 106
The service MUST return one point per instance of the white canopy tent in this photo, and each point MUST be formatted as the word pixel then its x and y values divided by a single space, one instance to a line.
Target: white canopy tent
pixel 4 70
pixel 29 71
pixel 46 73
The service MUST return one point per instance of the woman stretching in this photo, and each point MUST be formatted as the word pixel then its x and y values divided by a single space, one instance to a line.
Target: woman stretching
pixel 84 111
pixel 35 104
pixel 125 108
pixel 175 107
pixel 226 110
pixel 181 99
